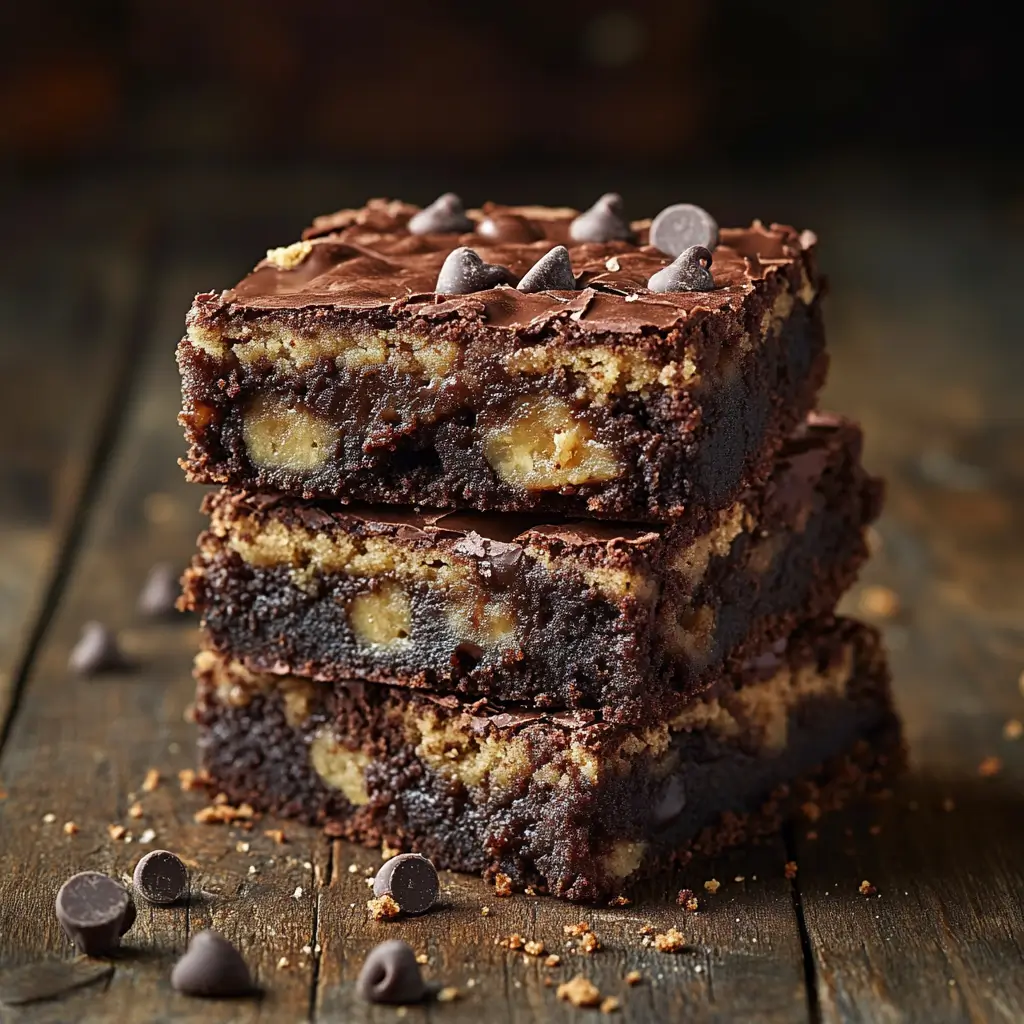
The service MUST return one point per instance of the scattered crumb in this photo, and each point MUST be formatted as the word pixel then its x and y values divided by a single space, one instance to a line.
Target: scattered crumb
pixel 49 819
pixel 811 836
pixel 277 835
pixel 116 831
pixel 534 948
pixel 740 878
pixel 866 888
pixel 297 895
pixel 306 950
pixel 671 941
pixel 552 960
pixel 387 851
pixel 948 804
pixel 610 1004
pixel 579 992
pixel 612 264
pixel 1013 730
pixel 383 908
pixel 513 941
pixel 222 813
pixel 712 885
pixel 812 812
pixel 791 869
pixel 684 896
pixel 620 901
pixel 135 811
pixel 530 891
pixel 502 885
pixel 151 781
pixel 574 931
pixel 590 943
pixel 282 963
pixel 634 978
pixel 147 836
pixel 252 869
pixel 485 911
pixel 879 602
pixel 875 830
pixel 187 780
pixel 70 828
pixel 241 847
pixel 448 994
pixel 990 766
pixel 421 958
pixel 369 881
pixel 645 929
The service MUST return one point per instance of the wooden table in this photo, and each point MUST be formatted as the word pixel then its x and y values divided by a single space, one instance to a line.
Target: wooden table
pixel 90 497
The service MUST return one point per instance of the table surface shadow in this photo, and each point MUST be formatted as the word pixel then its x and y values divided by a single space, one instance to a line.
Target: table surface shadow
pixel 91 496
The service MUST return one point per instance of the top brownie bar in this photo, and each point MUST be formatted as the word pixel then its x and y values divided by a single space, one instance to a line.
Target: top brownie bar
pixel 588 384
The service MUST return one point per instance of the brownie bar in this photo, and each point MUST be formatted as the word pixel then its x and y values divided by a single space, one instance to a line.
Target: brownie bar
pixel 334 370
pixel 562 801
pixel 578 614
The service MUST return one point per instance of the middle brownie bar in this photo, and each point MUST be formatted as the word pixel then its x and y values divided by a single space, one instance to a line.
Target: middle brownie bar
pixel 575 614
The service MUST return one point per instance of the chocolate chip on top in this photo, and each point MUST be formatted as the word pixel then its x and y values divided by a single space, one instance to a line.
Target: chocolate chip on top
pixel 551 273
pixel 690 272
pixel 682 226
pixel 445 214
pixel 508 227
pixel 605 221
pixel 464 271
pixel 410 880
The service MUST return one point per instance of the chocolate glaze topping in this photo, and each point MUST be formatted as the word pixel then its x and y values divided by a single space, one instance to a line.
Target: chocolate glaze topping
pixel 367 259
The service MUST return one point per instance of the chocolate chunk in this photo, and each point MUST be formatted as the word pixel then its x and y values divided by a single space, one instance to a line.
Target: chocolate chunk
pixel 410 880
pixel 605 221
pixel 49 979
pixel 508 227
pixel 679 227
pixel 551 273
pixel 444 215
pixel 464 272
pixel 690 272
pixel 670 801
pixel 96 651
pixel 391 975
pixel 161 877
pixel 91 909
pixel 160 591
pixel 212 967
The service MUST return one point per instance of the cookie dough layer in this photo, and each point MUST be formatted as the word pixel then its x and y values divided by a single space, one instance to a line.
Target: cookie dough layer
pixel 568 804
pixel 334 371
pixel 623 618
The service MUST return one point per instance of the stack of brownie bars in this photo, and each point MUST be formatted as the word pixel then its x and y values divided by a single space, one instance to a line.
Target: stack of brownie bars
pixel 529 540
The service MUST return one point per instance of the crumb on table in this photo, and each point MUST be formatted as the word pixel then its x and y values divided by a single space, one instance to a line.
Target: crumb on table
pixel 672 941
pixel 866 888
pixel 502 885
pixel 383 908
pixel 580 992
pixel 712 885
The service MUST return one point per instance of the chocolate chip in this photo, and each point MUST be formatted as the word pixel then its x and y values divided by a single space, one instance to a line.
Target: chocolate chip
pixel 91 909
pixel 551 273
pixel 690 272
pixel 670 801
pixel 410 880
pixel 212 967
pixel 681 226
pixel 508 227
pixel 443 216
pixel 96 651
pixel 160 591
pixel 605 221
pixel 391 975
pixel 161 877
pixel 49 979
pixel 464 272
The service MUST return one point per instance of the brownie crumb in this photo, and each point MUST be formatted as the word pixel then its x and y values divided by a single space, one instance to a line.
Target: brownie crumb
pixel 485 911
pixel 590 943
pixel 866 888
pixel 116 832
pixel 448 994
pixel 671 941
pixel 580 992
pixel 513 941
pixel 620 901
pixel 811 811
pixel 574 931
pixel 552 960
pixel 530 891
pixel 241 847
pixel 277 835
pixel 791 869
pixel 1013 730
pixel 534 948
pixel 645 929
pixel 989 767
pixel 712 885
pixel 610 1004
pixel 70 828
pixel 633 978
pixel 502 885
pixel 687 898
pixel 221 813
pixel 383 908
pixel 136 811
pixel 422 958
pixel 151 781
pixel 387 851
pixel 879 602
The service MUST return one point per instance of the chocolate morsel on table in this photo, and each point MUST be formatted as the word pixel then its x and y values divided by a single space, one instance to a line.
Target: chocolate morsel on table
pixel 97 651
pixel 390 974
pixel 212 968
pixel 348 367
pixel 682 226
pixel 161 877
pixel 410 880
pixel 160 592
pixel 91 909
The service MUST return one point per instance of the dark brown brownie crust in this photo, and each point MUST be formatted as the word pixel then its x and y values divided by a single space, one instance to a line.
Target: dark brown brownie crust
pixel 671 403
pixel 606 616
pixel 560 801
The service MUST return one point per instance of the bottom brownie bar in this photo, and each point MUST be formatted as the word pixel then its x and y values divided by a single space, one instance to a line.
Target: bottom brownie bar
pixel 571 805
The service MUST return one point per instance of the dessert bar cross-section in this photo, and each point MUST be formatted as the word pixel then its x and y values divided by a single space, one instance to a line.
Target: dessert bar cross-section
pixel 624 618
pixel 562 801
pixel 366 363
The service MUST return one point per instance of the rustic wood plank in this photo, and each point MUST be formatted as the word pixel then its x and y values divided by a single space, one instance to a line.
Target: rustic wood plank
pixel 81 748
pixel 72 348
